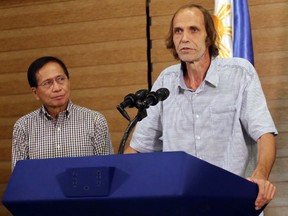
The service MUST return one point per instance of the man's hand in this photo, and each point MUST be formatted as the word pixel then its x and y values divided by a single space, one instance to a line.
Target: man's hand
pixel 260 176
pixel 266 192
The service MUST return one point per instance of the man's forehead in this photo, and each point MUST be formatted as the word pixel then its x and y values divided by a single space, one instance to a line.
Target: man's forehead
pixel 50 68
pixel 193 15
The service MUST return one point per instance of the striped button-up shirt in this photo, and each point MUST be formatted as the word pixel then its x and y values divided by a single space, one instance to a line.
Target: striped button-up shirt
pixel 216 123
pixel 77 131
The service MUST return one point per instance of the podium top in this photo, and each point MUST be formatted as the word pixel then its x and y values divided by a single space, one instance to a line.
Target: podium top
pixel 166 183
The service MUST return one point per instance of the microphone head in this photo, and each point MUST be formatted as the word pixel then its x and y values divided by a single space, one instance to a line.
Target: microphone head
pixel 162 94
pixel 140 97
pixel 152 98
pixel 129 100
pixel 141 94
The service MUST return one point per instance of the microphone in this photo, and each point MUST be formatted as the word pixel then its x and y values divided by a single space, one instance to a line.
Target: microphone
pixel 154 97
pixel 131 100
pixel 140 96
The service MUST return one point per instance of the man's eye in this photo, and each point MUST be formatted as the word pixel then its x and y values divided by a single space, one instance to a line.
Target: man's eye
pixel 194 29
pixel 47 83
pixel 61 79
pixel 177 30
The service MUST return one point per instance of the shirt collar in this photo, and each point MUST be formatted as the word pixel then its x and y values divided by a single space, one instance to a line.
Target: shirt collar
pixel 67 112
pixel 211 76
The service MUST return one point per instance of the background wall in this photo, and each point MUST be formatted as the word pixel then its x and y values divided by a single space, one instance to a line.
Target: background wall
pixel 104 46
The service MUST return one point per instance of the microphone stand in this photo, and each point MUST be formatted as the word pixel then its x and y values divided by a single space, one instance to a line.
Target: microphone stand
pixel 142 113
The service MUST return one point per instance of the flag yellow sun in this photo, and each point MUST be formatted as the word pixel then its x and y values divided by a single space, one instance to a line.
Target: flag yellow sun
pixel 223 13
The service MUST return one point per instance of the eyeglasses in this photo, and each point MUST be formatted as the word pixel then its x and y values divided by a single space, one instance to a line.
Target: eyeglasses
pixel 49 82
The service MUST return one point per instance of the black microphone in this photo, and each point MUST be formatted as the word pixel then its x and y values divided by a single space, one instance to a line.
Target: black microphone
pixel 154 97
pixel 163 94
pixel 131 100
pixel 140 95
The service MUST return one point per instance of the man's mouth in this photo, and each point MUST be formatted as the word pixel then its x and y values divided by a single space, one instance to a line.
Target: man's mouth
pixel 58 97
pixel 185 48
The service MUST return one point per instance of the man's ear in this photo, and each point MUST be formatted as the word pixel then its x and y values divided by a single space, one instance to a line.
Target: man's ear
pixel 208 42
pixel 34 92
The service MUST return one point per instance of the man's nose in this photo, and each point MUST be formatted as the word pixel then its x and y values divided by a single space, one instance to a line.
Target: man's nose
pixel 185 37
pixel 56 86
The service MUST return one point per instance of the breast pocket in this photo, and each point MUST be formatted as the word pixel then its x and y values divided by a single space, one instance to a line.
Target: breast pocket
pixel 222 121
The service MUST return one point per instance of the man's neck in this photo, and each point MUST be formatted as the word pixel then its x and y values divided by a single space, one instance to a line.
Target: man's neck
pixel 196 72
pixel 54 111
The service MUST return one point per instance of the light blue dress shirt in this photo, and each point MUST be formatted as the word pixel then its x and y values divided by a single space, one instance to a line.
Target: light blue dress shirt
pixel 217 123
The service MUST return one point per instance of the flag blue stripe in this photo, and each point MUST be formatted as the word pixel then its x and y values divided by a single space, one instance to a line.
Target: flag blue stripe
pixel 242 42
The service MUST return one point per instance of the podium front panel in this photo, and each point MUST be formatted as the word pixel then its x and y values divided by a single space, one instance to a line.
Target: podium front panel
pixel 166 183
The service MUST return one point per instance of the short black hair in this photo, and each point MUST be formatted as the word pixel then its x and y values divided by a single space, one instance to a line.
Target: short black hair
pixel 38 64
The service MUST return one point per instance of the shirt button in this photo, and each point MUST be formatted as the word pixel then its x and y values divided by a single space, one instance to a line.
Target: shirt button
pixel 198 137
pixel 59 129
pixel 197 116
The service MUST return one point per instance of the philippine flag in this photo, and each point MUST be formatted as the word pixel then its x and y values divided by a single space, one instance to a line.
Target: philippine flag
pixel 232 21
